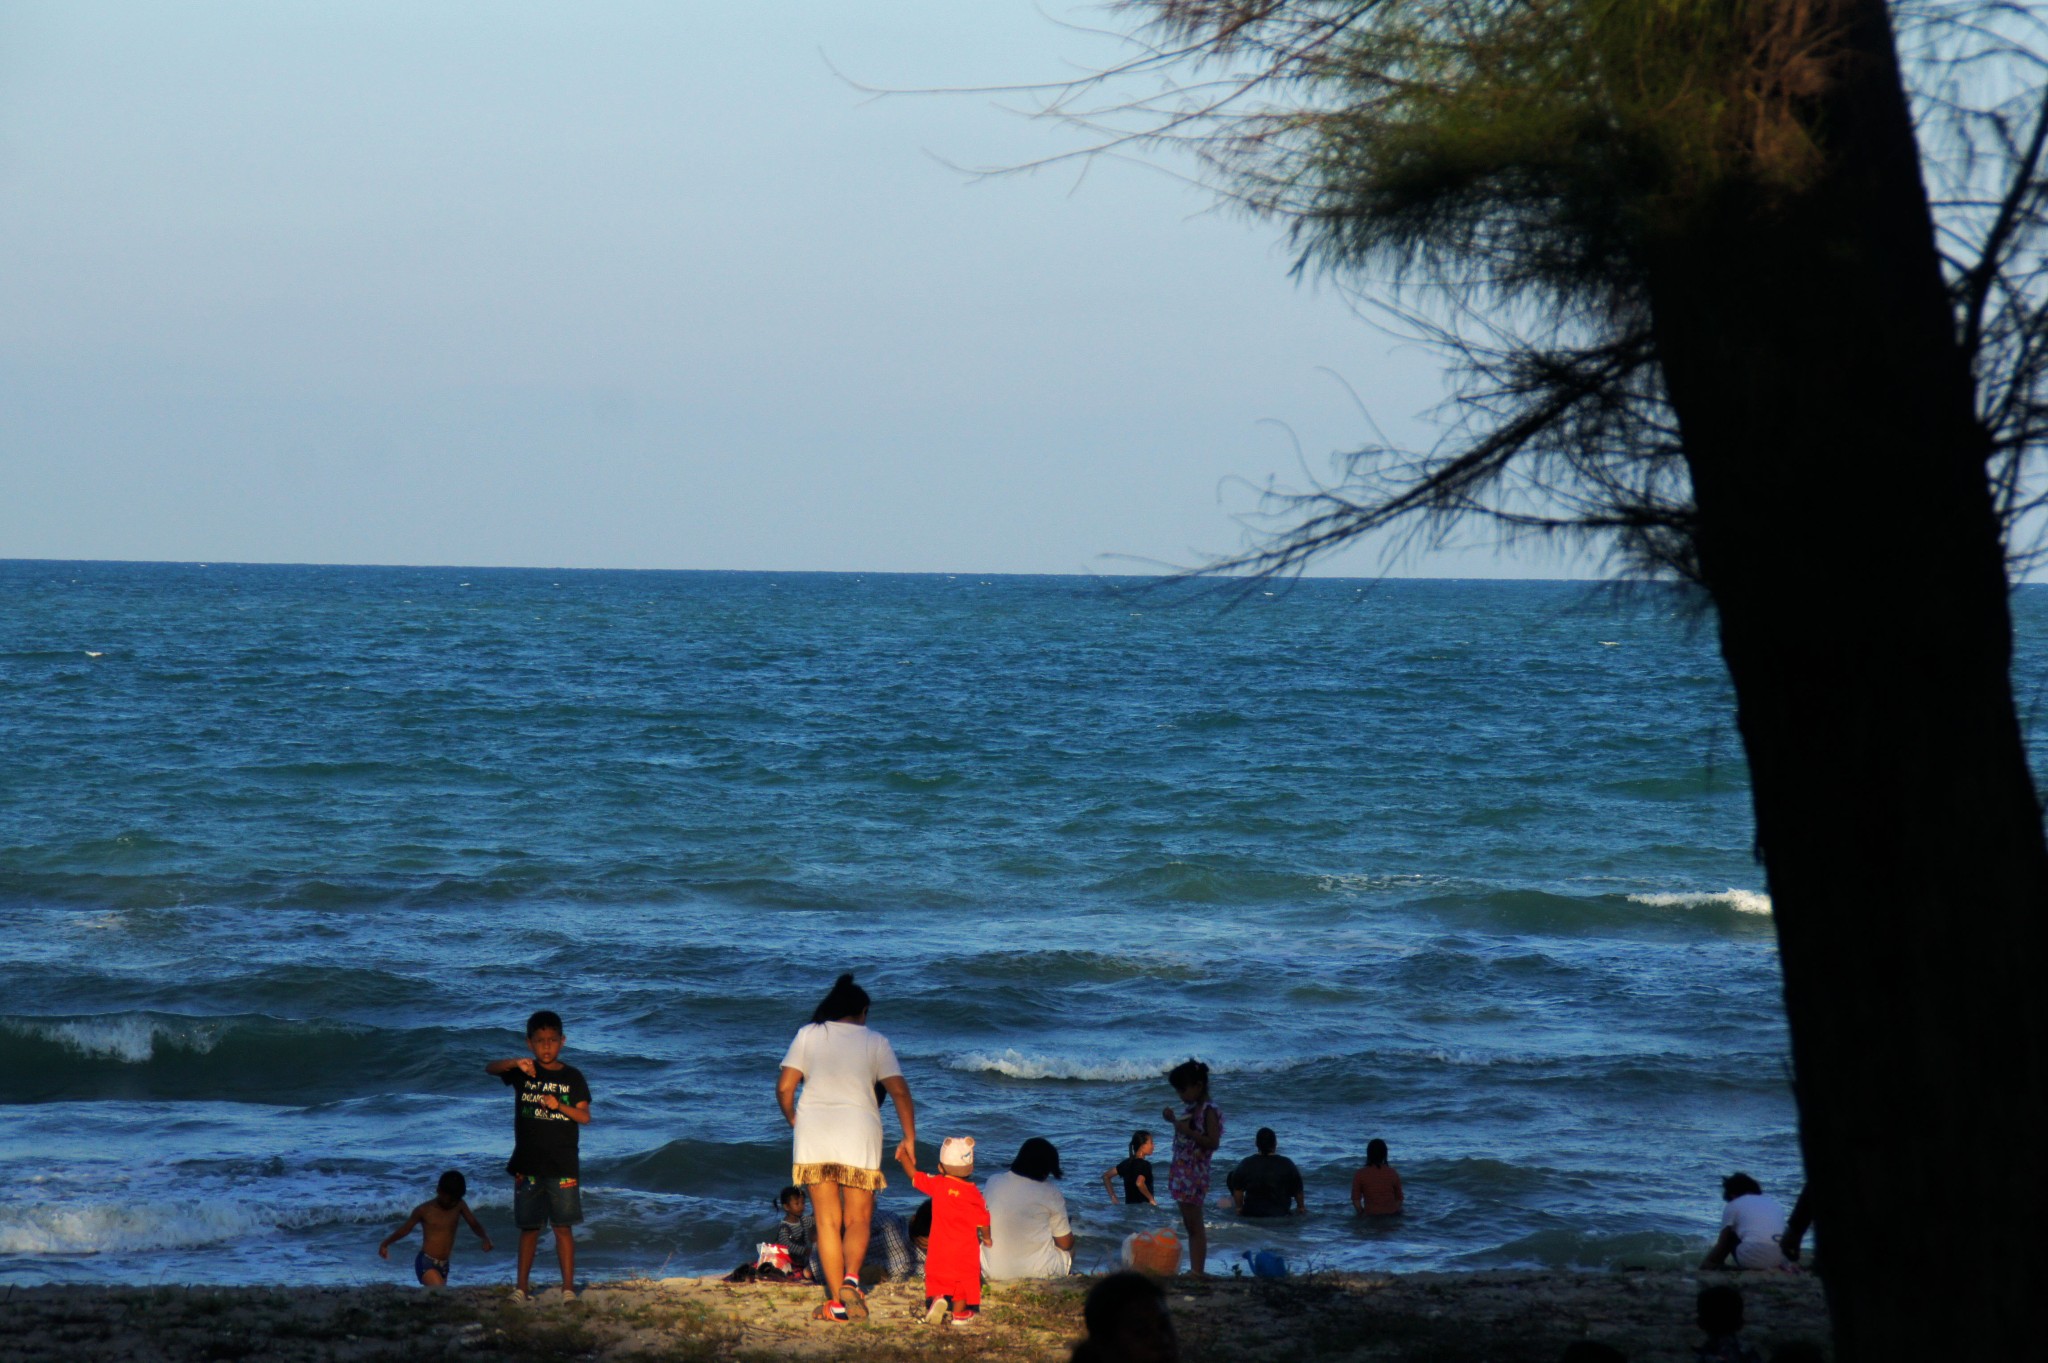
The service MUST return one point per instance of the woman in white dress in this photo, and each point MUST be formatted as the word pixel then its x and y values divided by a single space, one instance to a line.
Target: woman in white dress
pixel 836 1063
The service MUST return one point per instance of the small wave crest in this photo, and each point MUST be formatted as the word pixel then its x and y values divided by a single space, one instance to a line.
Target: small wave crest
pixel 114 1228
pixel 1574 1249
pixel 702 1168
pixel 1742 901
pixel 235 1058
pixel 1015 1064
pixel 129 1038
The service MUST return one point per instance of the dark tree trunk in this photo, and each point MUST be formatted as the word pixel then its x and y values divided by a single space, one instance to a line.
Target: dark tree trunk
pixel 1847 536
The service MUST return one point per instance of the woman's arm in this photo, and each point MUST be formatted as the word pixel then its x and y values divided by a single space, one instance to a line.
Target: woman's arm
pixel 785 1092
pixel 906 1117
pixel 1723 1247
pixel 1145 1187
pixel 1211 1134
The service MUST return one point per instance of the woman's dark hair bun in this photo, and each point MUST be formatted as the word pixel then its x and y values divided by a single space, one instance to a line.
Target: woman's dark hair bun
pixel 845 1000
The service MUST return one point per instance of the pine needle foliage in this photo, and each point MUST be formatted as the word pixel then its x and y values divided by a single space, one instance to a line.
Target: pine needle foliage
pixel 1502 177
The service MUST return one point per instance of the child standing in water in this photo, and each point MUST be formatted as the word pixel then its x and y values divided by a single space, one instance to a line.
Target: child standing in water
pixel 437 1221
pixel 1136 1172
pixel 1197 1131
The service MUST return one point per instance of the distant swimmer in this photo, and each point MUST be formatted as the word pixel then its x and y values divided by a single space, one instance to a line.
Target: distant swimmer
pixel 437 1220
pixel 1376 1187
pixel 1266 1183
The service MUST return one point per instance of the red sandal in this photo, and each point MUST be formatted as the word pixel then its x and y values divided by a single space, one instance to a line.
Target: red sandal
pixel 831 1310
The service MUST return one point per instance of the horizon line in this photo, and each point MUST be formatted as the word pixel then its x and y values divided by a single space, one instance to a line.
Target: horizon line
pixel 811 572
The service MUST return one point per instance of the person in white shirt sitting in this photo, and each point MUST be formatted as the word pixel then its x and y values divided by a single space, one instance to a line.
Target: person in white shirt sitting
pixel 1751 1227
pixel 1031 1235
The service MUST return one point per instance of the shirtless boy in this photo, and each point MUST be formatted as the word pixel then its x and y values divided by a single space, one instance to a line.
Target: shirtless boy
pixel 437 1220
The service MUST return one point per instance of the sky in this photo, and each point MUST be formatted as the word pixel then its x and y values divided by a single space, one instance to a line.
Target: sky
pixel 639 285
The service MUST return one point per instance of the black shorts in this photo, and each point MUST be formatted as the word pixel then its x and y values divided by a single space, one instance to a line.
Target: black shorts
pixel 540 1202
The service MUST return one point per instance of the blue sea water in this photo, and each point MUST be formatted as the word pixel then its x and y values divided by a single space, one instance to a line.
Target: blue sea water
pixel 288 853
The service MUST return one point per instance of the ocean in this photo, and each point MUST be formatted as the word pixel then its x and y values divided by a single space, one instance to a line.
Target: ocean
pixel 287 854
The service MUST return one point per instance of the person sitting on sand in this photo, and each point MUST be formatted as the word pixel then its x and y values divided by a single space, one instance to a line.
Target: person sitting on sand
pixel 1127 1323
pixel 1028 1217
pixel 959 1232
pixel 1136 1172
pixel 1751 1227
pixel 437 1220
pixel 797 1231
pixel 1376 1187
pixel 889 1240
pixel 1264 1184
pixel 1720 1318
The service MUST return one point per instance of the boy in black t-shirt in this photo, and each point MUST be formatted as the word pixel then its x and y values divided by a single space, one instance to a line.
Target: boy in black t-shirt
pixel 1136 1172
pixel 553 1105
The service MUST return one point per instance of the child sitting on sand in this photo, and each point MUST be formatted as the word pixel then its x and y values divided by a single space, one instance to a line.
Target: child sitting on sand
pixel 437 1220
pixel 797 1230
pixel 1196 1134
pixel 960 1227
pixel 1136 1172
pixel 1376 1187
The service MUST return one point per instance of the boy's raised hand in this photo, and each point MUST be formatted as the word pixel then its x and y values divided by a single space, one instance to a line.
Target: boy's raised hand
pixel 524 1064
pixel 906 1155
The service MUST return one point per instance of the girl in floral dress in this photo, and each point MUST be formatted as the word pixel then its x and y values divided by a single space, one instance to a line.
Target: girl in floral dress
pixel 1197 1131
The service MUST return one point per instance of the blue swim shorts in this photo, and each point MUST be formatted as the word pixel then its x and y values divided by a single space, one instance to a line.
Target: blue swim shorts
pixel 539 1202
pixel 422 1265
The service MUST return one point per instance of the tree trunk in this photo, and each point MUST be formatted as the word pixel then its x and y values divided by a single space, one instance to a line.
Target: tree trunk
pixel 1847 535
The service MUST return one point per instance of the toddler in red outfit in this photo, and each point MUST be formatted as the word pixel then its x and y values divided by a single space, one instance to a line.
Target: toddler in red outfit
pixel 952 1265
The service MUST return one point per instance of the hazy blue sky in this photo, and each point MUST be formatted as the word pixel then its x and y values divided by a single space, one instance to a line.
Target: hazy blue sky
pixel 626 285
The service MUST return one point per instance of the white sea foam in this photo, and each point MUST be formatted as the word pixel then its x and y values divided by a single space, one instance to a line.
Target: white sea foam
pixel 113 1228
pixel 1742 901
pixel 1017 1065
pixel 1457 1055
pixel 131 1038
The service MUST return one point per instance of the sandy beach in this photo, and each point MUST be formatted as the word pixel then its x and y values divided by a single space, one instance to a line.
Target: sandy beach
pixel 1503 1317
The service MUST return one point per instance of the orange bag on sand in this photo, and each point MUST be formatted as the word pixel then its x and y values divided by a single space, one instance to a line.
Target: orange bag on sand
pixel 1154 1252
